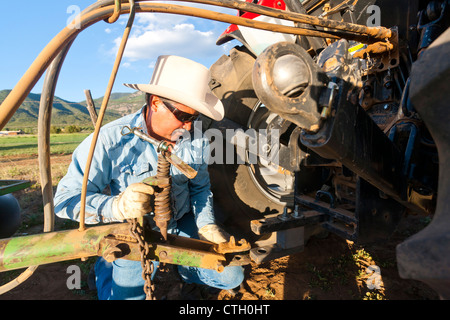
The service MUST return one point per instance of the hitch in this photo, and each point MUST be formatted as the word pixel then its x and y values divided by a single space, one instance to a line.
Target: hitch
pixel 115 241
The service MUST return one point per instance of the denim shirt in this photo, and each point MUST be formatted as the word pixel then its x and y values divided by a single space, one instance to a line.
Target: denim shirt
pixel 120 160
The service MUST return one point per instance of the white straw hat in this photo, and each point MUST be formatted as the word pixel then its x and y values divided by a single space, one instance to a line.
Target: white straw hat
pixel 183 81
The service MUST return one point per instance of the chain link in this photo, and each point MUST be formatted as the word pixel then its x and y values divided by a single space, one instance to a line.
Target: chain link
pixel 147 265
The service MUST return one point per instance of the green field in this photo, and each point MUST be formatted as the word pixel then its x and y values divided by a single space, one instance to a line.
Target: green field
pixel 28 144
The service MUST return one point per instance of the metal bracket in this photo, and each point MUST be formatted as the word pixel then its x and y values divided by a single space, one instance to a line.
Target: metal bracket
pixel 287 234
pixel 280 244
pixel 175 250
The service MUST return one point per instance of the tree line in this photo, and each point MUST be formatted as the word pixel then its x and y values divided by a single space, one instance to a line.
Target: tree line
pixel 68 129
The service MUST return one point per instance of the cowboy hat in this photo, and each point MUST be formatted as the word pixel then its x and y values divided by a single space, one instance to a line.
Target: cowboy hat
pixel 183 81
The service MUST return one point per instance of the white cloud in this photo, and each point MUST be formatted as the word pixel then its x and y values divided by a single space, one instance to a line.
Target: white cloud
pixel 181 39
pixel 149 21
pixel 108 30
pixel 155 34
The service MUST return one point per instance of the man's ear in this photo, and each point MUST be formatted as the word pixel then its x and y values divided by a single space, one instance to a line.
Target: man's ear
pixel 152 103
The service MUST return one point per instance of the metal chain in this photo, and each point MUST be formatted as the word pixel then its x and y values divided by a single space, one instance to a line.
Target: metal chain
pixel 147 266
pixel 162 216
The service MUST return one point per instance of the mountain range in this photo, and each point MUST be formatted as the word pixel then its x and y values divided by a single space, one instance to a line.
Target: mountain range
pixel 66 113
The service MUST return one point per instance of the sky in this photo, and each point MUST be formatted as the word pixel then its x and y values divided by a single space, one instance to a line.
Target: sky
pixel 26 27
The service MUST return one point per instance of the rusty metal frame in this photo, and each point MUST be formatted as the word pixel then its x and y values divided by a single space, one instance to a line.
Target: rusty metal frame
pixel 111 241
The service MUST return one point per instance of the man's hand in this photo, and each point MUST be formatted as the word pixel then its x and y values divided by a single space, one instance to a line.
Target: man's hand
pixel 136 201
pixel 213 233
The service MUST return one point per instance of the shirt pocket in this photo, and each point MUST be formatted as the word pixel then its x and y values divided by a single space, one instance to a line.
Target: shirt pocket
pixel 136 169
pixel 133 173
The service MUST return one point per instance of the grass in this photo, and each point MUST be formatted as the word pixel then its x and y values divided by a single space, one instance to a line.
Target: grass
pixel 345 269
pixel 30 201
pixel 28 144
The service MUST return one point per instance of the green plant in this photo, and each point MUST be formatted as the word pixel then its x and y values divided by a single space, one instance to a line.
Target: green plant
pixel 319 279
pixel 270 293
pixel 54 129
pixel 373 295
pixel 72 129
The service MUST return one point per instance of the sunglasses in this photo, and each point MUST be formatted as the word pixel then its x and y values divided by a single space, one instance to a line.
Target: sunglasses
pixel 180 115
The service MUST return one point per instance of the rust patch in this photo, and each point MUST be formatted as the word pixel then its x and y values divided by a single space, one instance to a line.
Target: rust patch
pixel 232 246
pixel 375 48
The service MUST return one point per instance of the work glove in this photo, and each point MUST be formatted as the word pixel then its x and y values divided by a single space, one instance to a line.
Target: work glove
pixel 213 233
pixel 136 201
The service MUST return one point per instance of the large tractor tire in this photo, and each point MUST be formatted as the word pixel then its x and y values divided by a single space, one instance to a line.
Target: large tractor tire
pixel 240 191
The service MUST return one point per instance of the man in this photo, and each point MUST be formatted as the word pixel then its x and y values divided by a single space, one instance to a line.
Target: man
pixel 177 93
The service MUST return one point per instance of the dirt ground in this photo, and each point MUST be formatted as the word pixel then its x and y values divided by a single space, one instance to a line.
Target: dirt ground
pixel 329 268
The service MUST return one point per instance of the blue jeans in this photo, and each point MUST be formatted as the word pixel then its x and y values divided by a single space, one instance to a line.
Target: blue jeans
pixel 122 279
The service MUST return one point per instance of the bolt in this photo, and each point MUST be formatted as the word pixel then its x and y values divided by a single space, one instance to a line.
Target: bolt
pixel 298 214
pixel 219 267
pixel 285 215
pixel 387 82
pixel 163 254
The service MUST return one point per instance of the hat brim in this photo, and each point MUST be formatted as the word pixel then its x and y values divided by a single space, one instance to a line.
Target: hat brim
pixel 212 107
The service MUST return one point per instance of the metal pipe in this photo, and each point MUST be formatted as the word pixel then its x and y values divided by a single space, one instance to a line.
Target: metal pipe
pixel 207 14
pixel 380 33
pixel 165 148
pixel 50 247
pixel 101 114
pixel 44 124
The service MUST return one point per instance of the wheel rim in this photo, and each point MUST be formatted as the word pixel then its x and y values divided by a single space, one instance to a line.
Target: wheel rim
pixel 274 182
